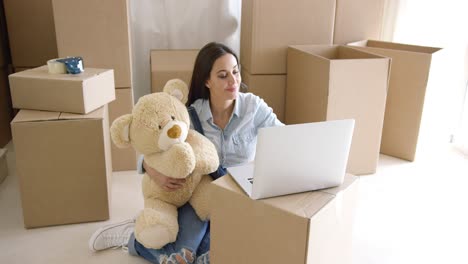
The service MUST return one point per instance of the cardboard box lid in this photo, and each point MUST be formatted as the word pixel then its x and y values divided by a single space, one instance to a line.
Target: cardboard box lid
pixel 304 205
pixel 336 52
pixel 173 60
pixel 394 46
pixel 25 115
pixel 43 73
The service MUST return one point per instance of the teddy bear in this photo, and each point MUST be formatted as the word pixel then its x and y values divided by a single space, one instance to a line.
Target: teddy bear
pixel 159 128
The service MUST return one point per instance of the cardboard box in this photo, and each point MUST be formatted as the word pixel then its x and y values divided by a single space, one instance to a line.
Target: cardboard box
pixel 358 19
pixel 20 69
pixel 268 27
pixel 308 227
pixel 4 48
pixel 409 78
pixel 63 162
pixel 337 82
pixel 171 64
pixel 81 93
pixel 6 111
pixel 31 32
pixel 122 159
pixel 99 32
pixel 270 87
pixel 3 164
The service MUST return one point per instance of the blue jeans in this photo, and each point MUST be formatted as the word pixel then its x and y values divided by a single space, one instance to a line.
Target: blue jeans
pixel 192 244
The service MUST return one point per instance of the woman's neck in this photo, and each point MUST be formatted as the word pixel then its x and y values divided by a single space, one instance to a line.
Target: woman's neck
pixel 222 112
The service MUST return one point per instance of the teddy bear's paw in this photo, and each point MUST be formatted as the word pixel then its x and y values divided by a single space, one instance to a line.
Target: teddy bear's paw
pixel 155 236
pixel 154 228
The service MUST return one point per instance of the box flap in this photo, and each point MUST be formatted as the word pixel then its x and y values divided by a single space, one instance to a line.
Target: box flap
pixel 33 115
pixel 394 46
pixel 96 114
pixel 304 205
pixel 43 73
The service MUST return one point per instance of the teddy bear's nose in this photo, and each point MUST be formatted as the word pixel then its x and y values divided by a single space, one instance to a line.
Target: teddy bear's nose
pixel 174 132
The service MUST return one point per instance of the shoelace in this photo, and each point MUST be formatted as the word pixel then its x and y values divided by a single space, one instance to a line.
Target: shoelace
pixel 120 240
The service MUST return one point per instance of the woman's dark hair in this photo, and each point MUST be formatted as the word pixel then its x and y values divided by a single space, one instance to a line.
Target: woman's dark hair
pixel 202 69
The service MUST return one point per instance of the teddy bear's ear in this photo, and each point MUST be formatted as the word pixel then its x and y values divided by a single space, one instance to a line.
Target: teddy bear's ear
pixel 120 131
pixel 178 89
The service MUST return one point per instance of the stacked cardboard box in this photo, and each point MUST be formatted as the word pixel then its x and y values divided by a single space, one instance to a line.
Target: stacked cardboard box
pixel 103 40
pixel 265 38
pixel 6 112
pixel 308 227
pixel 358 19
pixel 170 64
pixel 31 32
pixel 327 82
pixel 410 76
pixel 62 158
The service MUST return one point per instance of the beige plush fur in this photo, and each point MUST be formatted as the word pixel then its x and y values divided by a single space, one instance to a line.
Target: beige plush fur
pixel 159 128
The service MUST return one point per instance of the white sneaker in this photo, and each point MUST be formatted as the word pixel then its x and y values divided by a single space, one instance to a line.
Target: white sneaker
pixel 112 236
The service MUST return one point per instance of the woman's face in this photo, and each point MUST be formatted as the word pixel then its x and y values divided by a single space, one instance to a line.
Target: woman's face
pixel 225 79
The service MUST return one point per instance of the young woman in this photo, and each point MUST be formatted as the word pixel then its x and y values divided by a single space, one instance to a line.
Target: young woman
pixel 231 120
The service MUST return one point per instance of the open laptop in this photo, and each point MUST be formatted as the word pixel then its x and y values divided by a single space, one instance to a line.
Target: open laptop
pixel 296 158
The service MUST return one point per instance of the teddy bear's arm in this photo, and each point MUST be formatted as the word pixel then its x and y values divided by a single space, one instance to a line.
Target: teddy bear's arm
pixel 177 162
pixel 205 153
pixel 201 198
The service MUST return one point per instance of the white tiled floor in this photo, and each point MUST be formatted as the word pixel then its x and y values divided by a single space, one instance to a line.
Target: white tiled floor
pixel 408 212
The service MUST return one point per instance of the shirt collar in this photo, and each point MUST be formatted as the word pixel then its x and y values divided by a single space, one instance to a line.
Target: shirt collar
pixel 205 113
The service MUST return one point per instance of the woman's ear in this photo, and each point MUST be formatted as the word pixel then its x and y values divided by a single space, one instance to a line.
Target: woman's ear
pixel 120 131
pixel 178 89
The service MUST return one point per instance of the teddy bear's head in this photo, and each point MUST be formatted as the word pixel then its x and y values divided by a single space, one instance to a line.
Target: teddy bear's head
pixel 158 121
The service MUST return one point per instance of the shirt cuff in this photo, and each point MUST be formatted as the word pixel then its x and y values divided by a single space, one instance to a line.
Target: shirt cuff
pixel 140 168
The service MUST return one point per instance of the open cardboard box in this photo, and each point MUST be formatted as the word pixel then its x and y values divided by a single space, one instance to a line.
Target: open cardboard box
pixel 412 73
pixel 327 82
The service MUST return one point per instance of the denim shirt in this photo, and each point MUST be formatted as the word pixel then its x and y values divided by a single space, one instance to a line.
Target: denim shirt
pixel 236 143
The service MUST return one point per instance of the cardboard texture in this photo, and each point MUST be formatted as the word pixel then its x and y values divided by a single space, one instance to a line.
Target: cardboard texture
pixel 271 88
pixel 409 78
pixel 122 159
pixel 63 163
pixel 268 27
pixel 170 64
pixel 3 165
pixel 308 227
pixel 20 69
pixel 6 111
pixel 358 19
pixel 31 32
pixel 103 38
pixel 81 93
pixel 337 82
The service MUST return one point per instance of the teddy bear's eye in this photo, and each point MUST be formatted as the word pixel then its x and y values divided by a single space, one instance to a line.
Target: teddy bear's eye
pixel 160 126
pixel 173 117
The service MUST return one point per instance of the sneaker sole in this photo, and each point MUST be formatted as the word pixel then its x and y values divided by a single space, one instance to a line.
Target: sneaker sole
pixel 102 229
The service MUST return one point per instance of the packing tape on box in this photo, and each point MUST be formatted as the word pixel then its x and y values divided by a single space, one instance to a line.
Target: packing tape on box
pixel 73 65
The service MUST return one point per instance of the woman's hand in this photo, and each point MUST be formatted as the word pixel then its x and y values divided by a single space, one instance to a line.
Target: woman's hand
pixel 167 183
